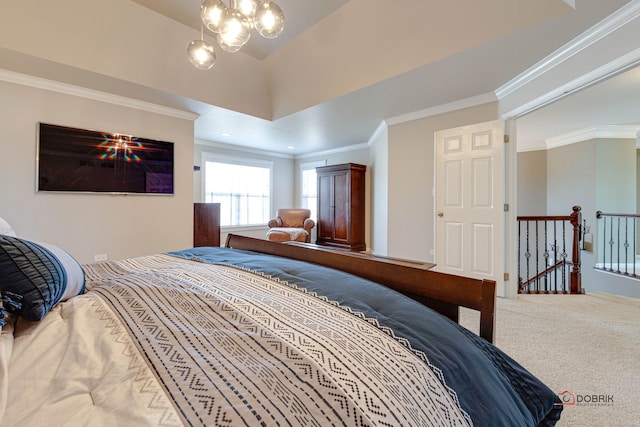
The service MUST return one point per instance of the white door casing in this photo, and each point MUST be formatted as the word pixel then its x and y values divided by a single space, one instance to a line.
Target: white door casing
pixel 470 201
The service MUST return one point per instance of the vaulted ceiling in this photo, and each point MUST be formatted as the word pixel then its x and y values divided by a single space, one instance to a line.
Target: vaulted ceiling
pixel 338 71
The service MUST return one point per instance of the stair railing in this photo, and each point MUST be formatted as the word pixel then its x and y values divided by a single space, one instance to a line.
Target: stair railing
pixel 548 262
pixel 617 252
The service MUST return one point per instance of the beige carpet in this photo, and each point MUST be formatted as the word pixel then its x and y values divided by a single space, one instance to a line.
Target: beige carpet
pixel 588 345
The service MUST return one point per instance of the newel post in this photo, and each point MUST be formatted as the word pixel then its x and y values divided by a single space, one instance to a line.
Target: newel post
pixel 576 277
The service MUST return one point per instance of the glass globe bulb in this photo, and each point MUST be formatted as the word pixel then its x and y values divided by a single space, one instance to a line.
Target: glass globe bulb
pixel 235 29
pixel 211 12
pixel 269 20
pixel 201 54
pixel 226 47
pixel 247 8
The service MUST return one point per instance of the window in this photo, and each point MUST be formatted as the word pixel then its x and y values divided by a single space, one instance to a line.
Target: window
pixel 309 187
pixel 241 186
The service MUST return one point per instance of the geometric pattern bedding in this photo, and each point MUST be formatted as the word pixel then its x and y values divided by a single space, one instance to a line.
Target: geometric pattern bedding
pixel 235 348
pixel 491 387
pixel 121 353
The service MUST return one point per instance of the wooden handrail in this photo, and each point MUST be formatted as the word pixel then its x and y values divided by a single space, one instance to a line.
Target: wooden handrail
pixel 545 218
pixel 575 219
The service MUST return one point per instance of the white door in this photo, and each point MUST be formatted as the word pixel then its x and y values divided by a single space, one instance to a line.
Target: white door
pixel 470 201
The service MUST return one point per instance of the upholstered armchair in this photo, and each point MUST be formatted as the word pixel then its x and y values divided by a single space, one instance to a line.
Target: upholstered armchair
pixel 291 224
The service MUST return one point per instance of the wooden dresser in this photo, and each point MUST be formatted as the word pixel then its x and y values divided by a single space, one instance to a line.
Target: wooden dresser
pixel 206 224
pixel 341 206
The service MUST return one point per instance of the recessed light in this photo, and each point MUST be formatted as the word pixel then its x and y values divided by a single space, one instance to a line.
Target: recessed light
pixel 225 134
pixel 291 147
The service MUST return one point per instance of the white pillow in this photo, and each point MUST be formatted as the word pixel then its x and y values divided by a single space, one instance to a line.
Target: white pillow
pixel 6 229
pixel 73 270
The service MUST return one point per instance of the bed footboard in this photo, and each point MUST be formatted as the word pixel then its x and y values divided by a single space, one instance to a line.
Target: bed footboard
pixel 445 293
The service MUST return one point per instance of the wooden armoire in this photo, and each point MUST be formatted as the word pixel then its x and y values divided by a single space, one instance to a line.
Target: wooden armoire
pixel 341 210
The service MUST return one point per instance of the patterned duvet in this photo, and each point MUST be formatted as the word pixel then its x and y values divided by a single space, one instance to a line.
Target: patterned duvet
pixel 214 336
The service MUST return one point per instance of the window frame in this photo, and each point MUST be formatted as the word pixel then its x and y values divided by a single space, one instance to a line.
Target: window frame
pixel 239 161
pixel 307 166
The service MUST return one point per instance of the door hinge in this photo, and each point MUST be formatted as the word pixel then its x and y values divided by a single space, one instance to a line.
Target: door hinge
pixel 506 277
pixel 506 207
pixel 506 138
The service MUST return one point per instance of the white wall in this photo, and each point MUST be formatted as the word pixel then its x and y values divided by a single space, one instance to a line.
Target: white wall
pixel 638 177
pixel 411 183
pixel 571 179
pixel 532 183
pixel 616 175
pixel 380 191
pixel 83 224
pixel 597 174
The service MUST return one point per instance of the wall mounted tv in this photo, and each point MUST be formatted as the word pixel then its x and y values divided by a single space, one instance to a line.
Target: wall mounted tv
pixel 79 160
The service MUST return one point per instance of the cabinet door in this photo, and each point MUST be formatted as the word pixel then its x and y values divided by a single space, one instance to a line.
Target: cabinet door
pixel 342 208
pixel 325 207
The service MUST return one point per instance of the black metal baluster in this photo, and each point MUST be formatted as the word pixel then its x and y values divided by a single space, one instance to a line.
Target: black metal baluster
pixel 618 247
pixel 537 258
pixel 555 254
pixel 634 246
pixel 626 246
pixel 564 257
pixel 519 257
pixel 546 256
pixel 604 244
pixel 611 246
pixel 528 257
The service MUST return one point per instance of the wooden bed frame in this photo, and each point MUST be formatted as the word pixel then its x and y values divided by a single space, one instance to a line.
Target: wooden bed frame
pixel 445 293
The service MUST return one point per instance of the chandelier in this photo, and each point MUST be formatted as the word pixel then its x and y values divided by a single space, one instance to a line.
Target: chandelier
pixel 232 26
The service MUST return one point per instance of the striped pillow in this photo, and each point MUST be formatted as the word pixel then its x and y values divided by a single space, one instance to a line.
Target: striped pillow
pixel 34 277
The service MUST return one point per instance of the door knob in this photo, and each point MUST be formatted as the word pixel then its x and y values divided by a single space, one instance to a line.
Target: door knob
pixel 440 213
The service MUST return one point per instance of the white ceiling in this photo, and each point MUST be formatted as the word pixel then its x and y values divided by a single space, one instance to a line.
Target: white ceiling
pixel 299 16
pixel 613 104
pixel 313 88
pixel 353 118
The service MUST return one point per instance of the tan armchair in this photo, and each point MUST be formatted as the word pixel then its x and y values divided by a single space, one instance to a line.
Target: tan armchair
pixel 291 224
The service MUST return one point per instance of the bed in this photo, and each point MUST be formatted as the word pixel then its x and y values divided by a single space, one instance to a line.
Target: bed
pixel 255 333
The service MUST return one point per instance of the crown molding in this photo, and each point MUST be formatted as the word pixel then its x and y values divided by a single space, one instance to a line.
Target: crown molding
pixel 382 127
pixel 95 95
pixel 242 148
pixel 256 151
pixel 597 132
pixel 444 108
pixel 245 149
pixel 613 22
pixel 363 145
pixel 619 65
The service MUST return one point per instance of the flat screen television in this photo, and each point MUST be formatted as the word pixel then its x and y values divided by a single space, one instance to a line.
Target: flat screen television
pixel 88 161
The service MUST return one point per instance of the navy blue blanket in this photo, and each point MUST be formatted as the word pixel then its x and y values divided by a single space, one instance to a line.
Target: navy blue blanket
pixel 491 387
